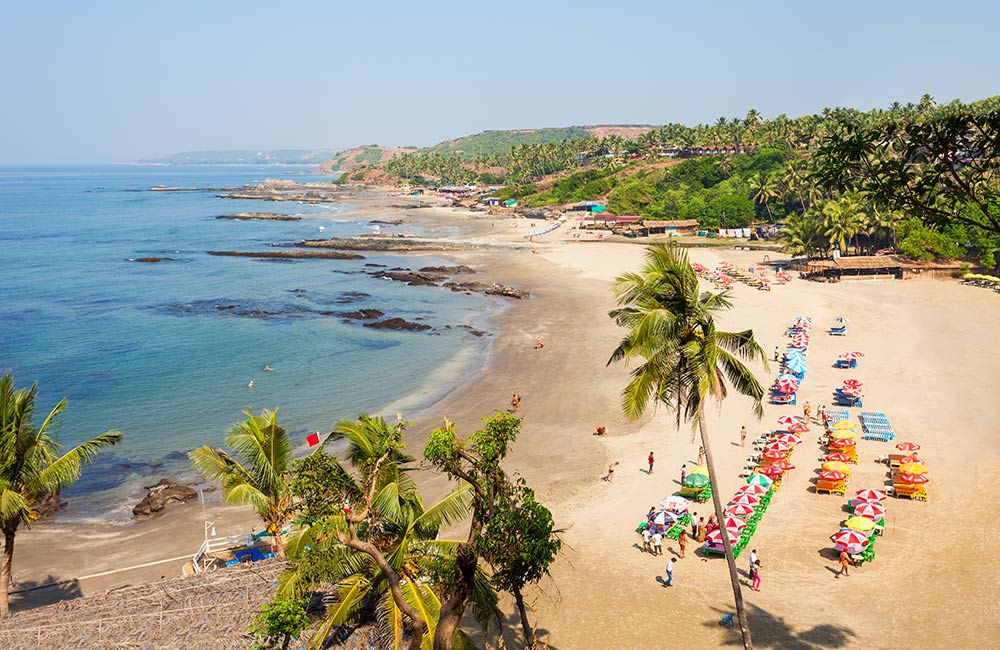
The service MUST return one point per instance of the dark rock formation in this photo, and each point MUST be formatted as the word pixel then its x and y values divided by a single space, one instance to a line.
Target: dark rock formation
pixel 162 494
pixel 378 266
pixel 262 216
pixel 506 292
pixel 361 314
pixel 390 222
pixel 397 324
pixel 153 260
pixel 412 278
pixel 294 255
pixel 383 243
pixel 347 297
pixel 461 269
pixel 467 287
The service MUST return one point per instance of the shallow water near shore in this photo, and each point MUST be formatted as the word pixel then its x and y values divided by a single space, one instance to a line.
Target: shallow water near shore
pixel 158 351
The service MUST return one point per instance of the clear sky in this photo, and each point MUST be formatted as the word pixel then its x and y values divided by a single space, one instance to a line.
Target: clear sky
pixel 115 81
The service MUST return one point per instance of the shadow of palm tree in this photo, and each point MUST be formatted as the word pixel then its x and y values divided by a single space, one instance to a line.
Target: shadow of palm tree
pixel 29 594
pixel 770 631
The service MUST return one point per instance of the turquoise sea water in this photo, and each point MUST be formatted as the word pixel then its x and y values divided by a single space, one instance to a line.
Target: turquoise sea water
pixel 141 347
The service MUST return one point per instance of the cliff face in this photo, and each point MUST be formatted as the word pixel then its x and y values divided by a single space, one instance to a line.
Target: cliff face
pixel 346 161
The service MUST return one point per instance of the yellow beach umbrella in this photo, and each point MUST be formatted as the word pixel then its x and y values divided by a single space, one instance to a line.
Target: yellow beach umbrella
pixel 843 425
pixel 913 468
pixel 837 466
pixel 860 523
pixel 849 434
pixel 700 469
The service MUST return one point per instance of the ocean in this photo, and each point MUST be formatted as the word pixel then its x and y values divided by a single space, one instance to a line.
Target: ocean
pixel 144 348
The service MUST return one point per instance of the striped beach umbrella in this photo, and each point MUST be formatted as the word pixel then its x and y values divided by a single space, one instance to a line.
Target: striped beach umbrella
pixel 760 479
pixel 913 468
pixel 773 454
pixel 788 439
pixel 870 495
pixel 745 499
pixel 772 472
pixel 832 475
pixel 909 459
pixel 783 465
pixel 676 503
pixel 852 356
pixel 872 511
pixel 838 457
pixel 755 488
pixel 850 540
pixel 778 445
pixel 788 420
pixel 912 479
pixel 734 522
pixel 715 537
pixel 853 383
pixel 786 386
pixel 798 427
pixel 843 443
pixel 908 446
pixel 739 510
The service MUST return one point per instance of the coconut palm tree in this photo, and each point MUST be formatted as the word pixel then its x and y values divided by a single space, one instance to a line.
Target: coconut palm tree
pixel 258 474
pixel 764 191
pixel 686 361
pixel 843 219
pixel 382 565
pixel 32 466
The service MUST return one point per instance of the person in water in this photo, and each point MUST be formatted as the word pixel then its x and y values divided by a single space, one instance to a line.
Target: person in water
pixel 267 368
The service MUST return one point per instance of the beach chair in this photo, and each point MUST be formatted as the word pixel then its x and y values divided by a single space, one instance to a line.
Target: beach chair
pixel 831 487
pixel 838 331
pixel 848 400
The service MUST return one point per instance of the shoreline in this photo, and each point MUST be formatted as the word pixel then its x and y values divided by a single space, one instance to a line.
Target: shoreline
pixel 603 592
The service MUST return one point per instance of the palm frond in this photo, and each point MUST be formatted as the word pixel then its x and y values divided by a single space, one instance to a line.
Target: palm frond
pixel 66 469
pixel 452 508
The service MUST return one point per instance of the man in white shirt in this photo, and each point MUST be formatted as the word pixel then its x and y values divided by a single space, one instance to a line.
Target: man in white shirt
pixel 646 539
pixel 753 558
pixel 670 573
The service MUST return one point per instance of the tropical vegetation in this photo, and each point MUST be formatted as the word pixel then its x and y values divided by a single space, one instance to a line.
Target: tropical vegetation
pixel 32 465
pixel 684 360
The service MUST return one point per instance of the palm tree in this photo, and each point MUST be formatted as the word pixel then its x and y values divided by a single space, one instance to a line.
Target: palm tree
pixel 258 475
pixel 799 235
pixel 843 219
pixel 376 542
pixel 686 360
pixel 765 190
pixel 31 465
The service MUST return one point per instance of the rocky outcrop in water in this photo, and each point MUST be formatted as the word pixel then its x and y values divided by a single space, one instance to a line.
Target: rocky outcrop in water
pixel 160 496
pixel 390 222
pixel 459 269
pixel 291 255
pixel 397 244
pixel 398 324
pixel 153 260
pixel 412 278
pixel 262 216
pixel 506 292
pixel 361 314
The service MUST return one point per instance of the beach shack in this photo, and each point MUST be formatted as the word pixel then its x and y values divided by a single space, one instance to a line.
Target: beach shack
pixel 510 203
pixel 864 267
pixel 650 228
pixel 491 201
pixel 589 207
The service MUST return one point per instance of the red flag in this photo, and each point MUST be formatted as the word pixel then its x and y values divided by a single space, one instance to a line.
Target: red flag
pixel 313 439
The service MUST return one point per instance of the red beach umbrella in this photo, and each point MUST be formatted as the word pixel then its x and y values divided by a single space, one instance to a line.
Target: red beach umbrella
pixel 870 495
pixel 773 454
pixel 788 438
pixel 753 488
pixel 872 511
pixel 851 356
pixel 778 445
pixel 783 465
pixel 843 443
pixel 832 475
pixel 745 499
pixel 912 458
pixel 908 446
pixel 850 540
pixel 715 537
pixel 772 472
pixel 913 479
pixel 739 510
pixel 788 420
pixel 838 457
pixel 734 522
pixel 853 383
pixel 786 386
pixel 798 427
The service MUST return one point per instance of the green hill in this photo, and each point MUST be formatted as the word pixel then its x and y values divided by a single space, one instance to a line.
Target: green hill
pixel 492 143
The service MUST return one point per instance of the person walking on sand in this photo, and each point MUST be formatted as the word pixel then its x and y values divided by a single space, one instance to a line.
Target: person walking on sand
pixel 755 576
pixel 539 343
pixel 807 412
pixel 701 455
pixel 682 539
pixel 611 471
pixel 650 460
pixel 515 401
pixel 670 573
pixel 777 354
pixel 821 414
pixel 657 543
pixel 683 473
pixel 694 525
pixel 647 540
pixel 701 530
pixel 753 559
pixel 845 561
pixel 743 436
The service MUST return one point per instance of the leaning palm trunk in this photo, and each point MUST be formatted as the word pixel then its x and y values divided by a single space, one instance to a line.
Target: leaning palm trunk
pixel 6 572
pixel 730 560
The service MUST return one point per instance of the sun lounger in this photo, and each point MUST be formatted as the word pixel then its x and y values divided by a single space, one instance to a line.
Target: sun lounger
pixel 838 331
pixel 831 487
pixel 847 400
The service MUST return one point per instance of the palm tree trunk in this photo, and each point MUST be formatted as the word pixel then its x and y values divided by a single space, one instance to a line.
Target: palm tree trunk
pixel 453 609
pixel 730 560
pixel 5 571
pixel 529 632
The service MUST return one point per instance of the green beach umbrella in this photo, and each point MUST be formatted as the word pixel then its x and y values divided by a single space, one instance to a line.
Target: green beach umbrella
pixel 696 481
pixel 760 479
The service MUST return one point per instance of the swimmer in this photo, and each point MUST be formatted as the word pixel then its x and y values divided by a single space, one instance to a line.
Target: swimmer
pixel 267 368
pixel 250 385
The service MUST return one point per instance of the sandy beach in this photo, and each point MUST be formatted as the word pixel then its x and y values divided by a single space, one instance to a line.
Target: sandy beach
pixel 930 366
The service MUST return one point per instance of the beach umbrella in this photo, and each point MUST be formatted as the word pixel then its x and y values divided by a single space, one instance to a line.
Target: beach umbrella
pixel 837 466
pixel 676 503
pixel 786 386
pixel 772 472
pixel 695 481
pixel 843 425
pixel 844 442
pixel 838 457
pixel 798 427
pixel 760 479
pixel 913 468
pixel 850 540
pixel 832 475
pixel 851 356
pixel 700 469
pixel 664 518
pixel 912 458
pixel 788 420
pixel 745 499
pixel 755 489
pixel 912 479
pixel 778 445
pixel 773 454
pixel 846 434
pixel 788 438
pixel 783 465
pixel 853 392
pixel 859 523
pixel 798 367
pixel 715 537
pixel 853 383
pixel 908 446
pixel 872 511
pixel 734 522
pixel 739 510
pixel 841 319
pixel 870 495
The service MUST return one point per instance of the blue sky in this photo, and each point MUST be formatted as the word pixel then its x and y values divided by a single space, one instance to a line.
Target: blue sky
pixel 116 81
